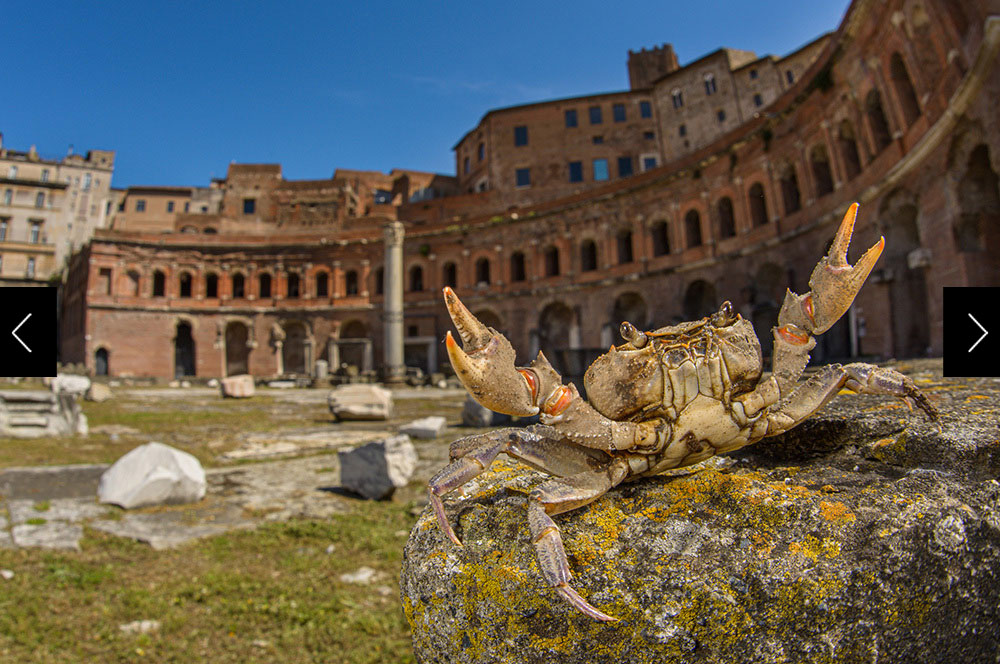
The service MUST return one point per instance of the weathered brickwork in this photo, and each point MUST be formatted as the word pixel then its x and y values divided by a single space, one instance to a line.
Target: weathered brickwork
pixel 895 109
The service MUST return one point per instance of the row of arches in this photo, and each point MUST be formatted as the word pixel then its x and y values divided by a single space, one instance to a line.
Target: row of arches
pixel 237 285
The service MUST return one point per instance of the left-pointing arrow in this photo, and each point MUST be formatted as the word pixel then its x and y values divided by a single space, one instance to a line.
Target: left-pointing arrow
pixel 14 333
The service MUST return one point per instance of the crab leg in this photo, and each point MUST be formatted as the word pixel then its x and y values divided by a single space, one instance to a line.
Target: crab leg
pixel 563 495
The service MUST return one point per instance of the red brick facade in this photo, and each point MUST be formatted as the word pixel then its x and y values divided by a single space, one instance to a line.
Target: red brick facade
pixel 896 110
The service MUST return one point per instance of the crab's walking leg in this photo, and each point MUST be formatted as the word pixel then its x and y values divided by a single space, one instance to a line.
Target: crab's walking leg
pixel 562 495
pixel 538 446
pixel 808 397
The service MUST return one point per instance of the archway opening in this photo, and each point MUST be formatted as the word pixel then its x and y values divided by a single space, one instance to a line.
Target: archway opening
pixel 184 358
pixel 237 349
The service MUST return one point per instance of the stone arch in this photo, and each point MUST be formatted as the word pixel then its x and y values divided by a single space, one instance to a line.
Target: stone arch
pixel 184 349
pixel 588 255
pixel 159 283
pixel 102 365
pixel 296 348
pixel 699 300
pixel 239 286
pixel 322 278
pixel 558 329
pixel 758 204
pixel 354 354
pixel 629 306
pixel 264 284
pixel 819 161
pixel 848 142
pixel 185 283
pixel 726 217
pixel 877 121
pixel 238 342
pixel 903 86
pixel 791 197
pixel 293 285
pixel 212 284
pixel 908 314
pixel 692 229
pixel 351 282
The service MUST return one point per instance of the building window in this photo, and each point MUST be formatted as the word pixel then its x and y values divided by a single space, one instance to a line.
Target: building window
pixel 416 279
pixel 8 197
pixel 483 272
pixel 140 205
pixel 648 163
pixel 624 246
pixel 661 241
pixel 822 174
pixel 351 283
pixel 264 285
pixel 380 281
pixel 551 262
pixel 170 206
pixel 517 272
pixel 12 172
pixel 710 87
pixel 45 175
pixel 31 268
pixel 450 275
pixel 877 121
pixel 522 177
pixel 692 228
pixel 571 119
pixel 790 76
pixel 481 151
pixel 588 256
pixel 3 230
pixel 36 232
pixel 905 92
pixel 521 135
pixel 758 204
pixel 185 284
pixel 249 205
pixel 758 100
pixel 576 171
pixel 159 284
pixel 239 286
pixel 727 220
pixel 618 112
pixel 645 109
pixel 86 181
pixel 721 115
pixel 40 200
pixel 187 206
pixel 104 280
pixel 466 165
pixel 293 285
pixel 649 135
pixel 597 140
pixel 212 285
pixel 753 73
pixel 624 167
pixel 849 149
pixel 595 115
pixel 678 97
pixel 600 169
pixel 682 131
pixel 322 284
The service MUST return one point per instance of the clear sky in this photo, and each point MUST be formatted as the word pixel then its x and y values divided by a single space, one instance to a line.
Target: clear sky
pixel 180 89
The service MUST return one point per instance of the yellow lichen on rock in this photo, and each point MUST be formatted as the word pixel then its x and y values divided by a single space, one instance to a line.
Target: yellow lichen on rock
pixel 836 512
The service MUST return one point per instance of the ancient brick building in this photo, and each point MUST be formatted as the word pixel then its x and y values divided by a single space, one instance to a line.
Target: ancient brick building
pixel 894 109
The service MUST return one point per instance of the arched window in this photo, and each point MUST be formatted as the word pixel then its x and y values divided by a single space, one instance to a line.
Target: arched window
pixel 351 283
pixel 416 279
pixel 239 285
pixel 820 163
pixel 727 220
pixel 133 283
pixel 624 242
pixel 449 275
pixel 678 97
pixel 159 284
pixel 588 256
pixel 692 228
pixel 322 284
pixel 551 261
pixel 264 284
pixel 790 195
pixel 904 89
pixel 211 285
pixel 294 289
pixel 710 87
pixel 483 272
pixel 758 204
pixel 517 272
pixel 661 239
pixel 876 120
pixel 849 149
pixel 185 284
pixel 101 362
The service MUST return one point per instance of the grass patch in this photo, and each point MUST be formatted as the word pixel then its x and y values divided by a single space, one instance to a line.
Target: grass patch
pixel 36 521
pixel 42 506
pixel 273 594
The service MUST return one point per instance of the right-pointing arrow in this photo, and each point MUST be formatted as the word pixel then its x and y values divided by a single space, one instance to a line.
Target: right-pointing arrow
pixel 979 326
pixel 14 333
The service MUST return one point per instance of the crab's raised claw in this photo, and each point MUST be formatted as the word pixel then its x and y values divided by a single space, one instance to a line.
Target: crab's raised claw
pixel 834 282
pixel 485 364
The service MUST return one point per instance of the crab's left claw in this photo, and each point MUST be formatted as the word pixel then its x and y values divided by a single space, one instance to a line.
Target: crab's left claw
pixel 834 282
pixel 486 364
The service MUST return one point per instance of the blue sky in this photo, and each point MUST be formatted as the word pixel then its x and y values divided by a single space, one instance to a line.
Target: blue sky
pixel 181 89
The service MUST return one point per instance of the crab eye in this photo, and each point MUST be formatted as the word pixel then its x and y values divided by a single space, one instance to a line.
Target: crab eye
pixel 724 316
pixel 633 336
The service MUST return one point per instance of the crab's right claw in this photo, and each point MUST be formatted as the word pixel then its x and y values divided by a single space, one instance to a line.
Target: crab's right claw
pixel 834 282
pixel 485 364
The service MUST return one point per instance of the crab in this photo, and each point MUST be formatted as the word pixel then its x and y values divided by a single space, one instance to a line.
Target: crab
pixel 664 399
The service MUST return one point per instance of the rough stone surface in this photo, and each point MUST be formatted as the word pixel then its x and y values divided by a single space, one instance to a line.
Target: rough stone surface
pixel 475 415
pixel 98 392
pixel 377 469
pixel 165 531
pixel 48 535
pixel 269 445
pixel 360 402
pixel 37 413
pixel 425 427
pixel 153 474
pixel 867 534
pixel 237 387
pixel 71 384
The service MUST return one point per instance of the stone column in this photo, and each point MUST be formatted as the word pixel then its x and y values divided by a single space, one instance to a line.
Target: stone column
pixel 394 370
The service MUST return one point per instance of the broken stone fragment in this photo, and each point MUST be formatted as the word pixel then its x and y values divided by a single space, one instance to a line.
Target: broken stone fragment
pixel 360 402
pixel 237 387
pixel 377 469
pixel 425 427
pixel 153 474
